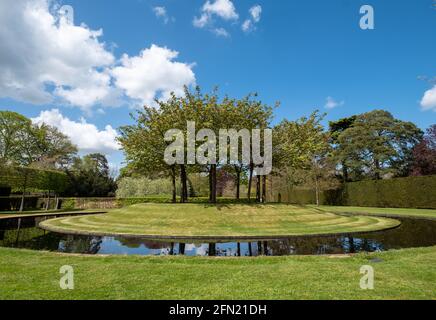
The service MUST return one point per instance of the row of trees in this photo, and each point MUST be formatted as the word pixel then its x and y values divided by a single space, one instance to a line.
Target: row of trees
pixel 144 143
pixel 22 179
pixel 29 153
pixel 372 145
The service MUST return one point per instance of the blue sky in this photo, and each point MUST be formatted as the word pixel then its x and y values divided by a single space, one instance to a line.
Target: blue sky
pixel 300 53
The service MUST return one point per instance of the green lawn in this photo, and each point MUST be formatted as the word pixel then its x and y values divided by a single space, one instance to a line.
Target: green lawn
pixel 199 220
pixel 399 274
pixel 17 214
pixel 403 274
pixel 393 212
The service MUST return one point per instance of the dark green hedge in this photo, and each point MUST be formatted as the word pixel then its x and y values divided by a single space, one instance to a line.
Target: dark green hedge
pixel 410 192
pixel 13 203
pixel 165 199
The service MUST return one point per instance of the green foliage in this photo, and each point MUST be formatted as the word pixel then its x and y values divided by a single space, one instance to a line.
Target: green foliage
pixel 296 143
pixel 377 144
pixel 68 203
pixel 14 203
pixel 17 138
pixel 144 142
pixel 410 192
pixel 125 202
pixel 339 126
pixel 23 143
pixel 90 177
pixel 22 179
pixel 130 187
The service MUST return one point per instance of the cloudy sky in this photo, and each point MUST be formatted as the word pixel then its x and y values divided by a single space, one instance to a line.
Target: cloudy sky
pixel 84 70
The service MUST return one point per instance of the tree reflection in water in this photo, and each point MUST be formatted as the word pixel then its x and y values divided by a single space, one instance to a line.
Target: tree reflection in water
pixel 86 245
pixel 25 234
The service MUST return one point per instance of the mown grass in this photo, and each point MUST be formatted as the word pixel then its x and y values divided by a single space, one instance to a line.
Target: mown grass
pixel 393 212
pixel 17 214
pixel 191 220
pixel 403 274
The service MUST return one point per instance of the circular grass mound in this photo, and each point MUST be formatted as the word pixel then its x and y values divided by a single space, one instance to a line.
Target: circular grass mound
pixel 196 221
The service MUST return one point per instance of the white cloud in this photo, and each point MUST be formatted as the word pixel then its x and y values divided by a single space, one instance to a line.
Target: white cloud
pixel 428 101
pixel 85 136
pixel 332 103
pixel 202 21
pixel 249 24
pixel 45 56
pixel 153 73
pixel 255 12
pixel 221 32
pixel 224 9
pixel 161 13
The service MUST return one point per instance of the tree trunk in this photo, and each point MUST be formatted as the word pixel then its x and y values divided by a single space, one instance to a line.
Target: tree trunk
pixel 47 206
pixel 24 193
pixel 173 180
pixel 238 184
pixel 212 184
pixel 344 171
pixel 182 248
pixel 317 190
pixel 184 181
pixel 22 202
pixel 250 182
pixel 264 189
pixel 258 178
pixel 377 168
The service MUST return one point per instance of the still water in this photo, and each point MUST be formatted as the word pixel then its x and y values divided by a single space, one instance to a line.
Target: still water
pixel 25 234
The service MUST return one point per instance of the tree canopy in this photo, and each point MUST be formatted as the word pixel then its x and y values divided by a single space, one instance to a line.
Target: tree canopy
pixel 377 144
pixel 144 142
pixel 25 144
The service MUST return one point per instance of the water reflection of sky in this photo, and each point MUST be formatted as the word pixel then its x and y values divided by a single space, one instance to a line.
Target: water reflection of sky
pixel 412 233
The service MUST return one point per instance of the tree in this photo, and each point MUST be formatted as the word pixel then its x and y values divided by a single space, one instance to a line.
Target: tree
pixel 54 148
pixel 299 146
pixel 24 178
pixel 253 115
pixel 90 177
pixel 144 144
pixel 25 144
pixel 18 141
pixel 378 144
pixel 424 155
pixel 336 128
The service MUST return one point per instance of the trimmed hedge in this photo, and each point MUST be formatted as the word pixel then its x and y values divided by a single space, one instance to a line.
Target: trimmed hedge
pixel 13 203
pixel 410 192
pixel 110 203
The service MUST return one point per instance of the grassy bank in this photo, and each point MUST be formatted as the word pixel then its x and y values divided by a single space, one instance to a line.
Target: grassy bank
pixel 403 274
pixel 36 213
pixel 196 220
pixel 393 212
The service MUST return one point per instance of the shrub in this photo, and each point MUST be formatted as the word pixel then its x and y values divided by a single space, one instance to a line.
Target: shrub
pixel 410 192
pixel 140 187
